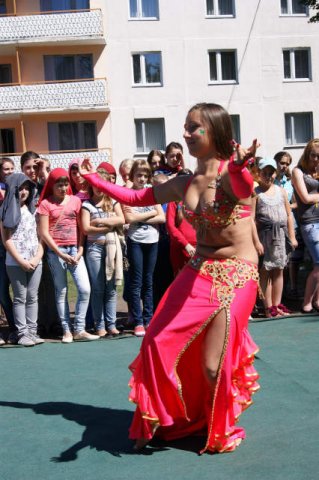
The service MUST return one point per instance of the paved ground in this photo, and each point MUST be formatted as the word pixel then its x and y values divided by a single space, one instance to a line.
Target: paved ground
pixel 64 414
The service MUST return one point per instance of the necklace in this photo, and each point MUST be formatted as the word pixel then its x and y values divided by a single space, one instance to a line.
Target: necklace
pixel 216 183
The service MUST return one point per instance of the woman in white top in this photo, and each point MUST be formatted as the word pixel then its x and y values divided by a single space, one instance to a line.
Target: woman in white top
pixel 142 245
pixel 99 217
pixel 24 255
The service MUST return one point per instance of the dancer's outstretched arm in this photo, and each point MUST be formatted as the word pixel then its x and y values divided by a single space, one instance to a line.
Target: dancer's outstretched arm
pixel 166 192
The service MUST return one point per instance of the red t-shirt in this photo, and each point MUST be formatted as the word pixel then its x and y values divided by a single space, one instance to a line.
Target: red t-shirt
pixel 63 226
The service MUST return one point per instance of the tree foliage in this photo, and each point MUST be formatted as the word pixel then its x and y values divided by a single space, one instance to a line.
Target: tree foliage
pixel 313 4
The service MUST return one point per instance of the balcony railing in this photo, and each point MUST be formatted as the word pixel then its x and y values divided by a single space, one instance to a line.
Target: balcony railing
pixel 50 97
pixel 48 27
pixel 61 159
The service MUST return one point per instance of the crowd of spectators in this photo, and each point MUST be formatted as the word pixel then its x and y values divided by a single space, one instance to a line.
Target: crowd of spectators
pixel 53 222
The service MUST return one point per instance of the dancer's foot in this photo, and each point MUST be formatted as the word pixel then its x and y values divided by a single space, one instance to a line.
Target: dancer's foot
pixel 140 444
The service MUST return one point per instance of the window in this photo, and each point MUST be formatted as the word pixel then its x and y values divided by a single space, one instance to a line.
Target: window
pixel 56 5
pixel 236 127
pixel 222 66
pixel 72 136
pixel 7 140
pixel 299 128
pixel 147 68
pixel 220 8
pixel 68 67
pixel 5 73
pixel 3 6
pixel 297 64
pixel 142 9
pixel 293 7
pixel 150 134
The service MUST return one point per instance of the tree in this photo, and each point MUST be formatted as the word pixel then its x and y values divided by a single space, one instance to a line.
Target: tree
pixel 313 4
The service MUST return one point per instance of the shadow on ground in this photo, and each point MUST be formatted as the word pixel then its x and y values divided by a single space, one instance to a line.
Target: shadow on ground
pixel 106 429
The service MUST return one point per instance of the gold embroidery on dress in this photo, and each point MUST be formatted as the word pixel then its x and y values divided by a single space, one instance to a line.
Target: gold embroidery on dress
pixel 227 275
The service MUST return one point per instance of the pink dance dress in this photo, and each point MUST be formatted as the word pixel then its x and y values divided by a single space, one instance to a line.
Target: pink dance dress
pixel 168 384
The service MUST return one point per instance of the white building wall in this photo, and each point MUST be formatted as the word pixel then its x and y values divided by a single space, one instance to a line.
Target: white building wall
pixel 184 35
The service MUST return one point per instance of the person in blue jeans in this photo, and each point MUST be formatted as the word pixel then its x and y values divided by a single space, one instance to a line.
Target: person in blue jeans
pixel 142 248
pixel 59 222
pixel 103 255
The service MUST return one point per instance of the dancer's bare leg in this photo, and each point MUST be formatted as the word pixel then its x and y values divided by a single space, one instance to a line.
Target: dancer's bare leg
pixel 213 347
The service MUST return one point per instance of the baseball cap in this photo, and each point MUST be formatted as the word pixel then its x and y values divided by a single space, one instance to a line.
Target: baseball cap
pixel 267 162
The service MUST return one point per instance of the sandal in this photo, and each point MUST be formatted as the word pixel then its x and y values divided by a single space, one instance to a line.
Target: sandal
pixel 283 310
pixel 272 312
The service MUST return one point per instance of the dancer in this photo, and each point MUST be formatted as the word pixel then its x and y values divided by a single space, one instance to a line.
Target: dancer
pixel 194 373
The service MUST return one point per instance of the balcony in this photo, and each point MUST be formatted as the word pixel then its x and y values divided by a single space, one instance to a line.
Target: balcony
pixel 61 159
pixel 69 96
pixel 48 27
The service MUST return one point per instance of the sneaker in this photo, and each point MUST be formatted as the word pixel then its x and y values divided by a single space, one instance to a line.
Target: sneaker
pixel 37 340
pixel 2 342
pixel 26 341
pixel 67 337
pixel 139 331
pixel 12 338
pixel 85 336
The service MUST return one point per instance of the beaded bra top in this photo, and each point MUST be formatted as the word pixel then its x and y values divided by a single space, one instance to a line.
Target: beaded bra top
pixel 219 213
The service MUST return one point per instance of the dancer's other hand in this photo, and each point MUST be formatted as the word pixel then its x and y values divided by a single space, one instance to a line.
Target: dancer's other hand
pixel 244 154
pixel 86 166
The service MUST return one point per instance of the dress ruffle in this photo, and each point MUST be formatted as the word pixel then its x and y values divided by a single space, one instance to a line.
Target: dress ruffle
pixel 243 386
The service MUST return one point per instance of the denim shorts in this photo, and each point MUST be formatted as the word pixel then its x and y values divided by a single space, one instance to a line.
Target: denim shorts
pixel 310 234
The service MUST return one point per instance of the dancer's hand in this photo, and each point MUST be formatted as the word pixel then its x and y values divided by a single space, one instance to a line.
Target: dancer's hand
pixel 86 166
pixel 244 154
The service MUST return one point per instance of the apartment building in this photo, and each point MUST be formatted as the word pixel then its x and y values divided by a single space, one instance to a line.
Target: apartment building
pixel 53 93
pixel 257 58
pixel 114 79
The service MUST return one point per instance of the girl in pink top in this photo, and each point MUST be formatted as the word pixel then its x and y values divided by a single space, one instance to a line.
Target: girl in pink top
pixel 59 216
